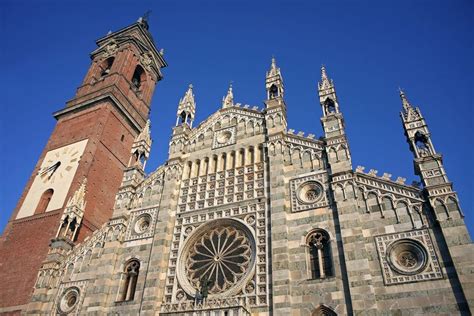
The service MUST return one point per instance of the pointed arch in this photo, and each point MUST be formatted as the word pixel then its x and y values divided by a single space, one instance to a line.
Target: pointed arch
pixel 342 153
pixel 372 203
pixel 349 190
pixel 271 121
pixel 402 210
pixel 329 106
pixel 339 193
pixel 452 204
pixel 441 210
pixel 387 205
pixel 332 154
pixel 418 221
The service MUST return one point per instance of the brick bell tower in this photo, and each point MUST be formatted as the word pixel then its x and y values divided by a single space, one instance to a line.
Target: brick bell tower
pixel 91 145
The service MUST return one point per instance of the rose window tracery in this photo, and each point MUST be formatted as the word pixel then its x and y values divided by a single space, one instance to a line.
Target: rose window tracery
pixel 69 300
pixel 407 256
pixel 309 192
pixel 219 256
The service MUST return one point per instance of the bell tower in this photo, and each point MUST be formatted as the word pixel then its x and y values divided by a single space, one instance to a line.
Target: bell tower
pixel 92 140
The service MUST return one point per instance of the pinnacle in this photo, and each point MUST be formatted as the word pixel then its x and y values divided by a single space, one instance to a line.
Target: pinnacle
pixel 323 72
pixel 406 104
pixel 228 100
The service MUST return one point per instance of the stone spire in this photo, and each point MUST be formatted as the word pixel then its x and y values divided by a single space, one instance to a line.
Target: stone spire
pixel 406 104
pixel 274 71
pixel 186 108
pixel 228 100
pixel 144 135
pixel 325 83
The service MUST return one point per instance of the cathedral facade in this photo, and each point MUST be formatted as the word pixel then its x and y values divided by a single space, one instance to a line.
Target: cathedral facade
pixel 245 217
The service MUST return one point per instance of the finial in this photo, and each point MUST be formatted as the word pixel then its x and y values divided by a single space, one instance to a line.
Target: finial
pixel 190 86
pixel 325 82
pixel 273 62
pixel 406 104
pixel 228 100
pixel 323 72
pixel 78 197
pixel 146 15
pixel 144 19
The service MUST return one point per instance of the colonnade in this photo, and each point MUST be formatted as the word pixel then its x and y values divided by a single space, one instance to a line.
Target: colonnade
pixel 223 161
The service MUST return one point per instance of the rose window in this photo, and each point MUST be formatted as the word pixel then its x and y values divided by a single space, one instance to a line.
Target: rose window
pixel 224 137
pixel 309 192
pixel 219 254
pixel 69 300
pixel 407 256
pixel 142 224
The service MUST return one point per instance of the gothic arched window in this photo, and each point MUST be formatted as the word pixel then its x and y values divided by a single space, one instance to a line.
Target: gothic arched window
pixel 138 77
pixel 273 91
pixel 320 260
pixel 330 106
pixel 421 142
pixel 106 66
pixel 130 280
pixel 44 201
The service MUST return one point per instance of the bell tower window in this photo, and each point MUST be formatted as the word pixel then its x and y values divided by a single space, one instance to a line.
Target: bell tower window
pixel 330 106
pixel 106 66
pixel 421 141
pixel 44 201
pixel 273 92
pixel 138 77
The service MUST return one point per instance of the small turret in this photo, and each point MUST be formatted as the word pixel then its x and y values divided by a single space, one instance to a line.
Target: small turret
pixel 327 94
pixel 73 213
pixel 186 108
pixel 141 148
pixel 274 82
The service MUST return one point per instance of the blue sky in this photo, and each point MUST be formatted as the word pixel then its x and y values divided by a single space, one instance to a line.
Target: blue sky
pixel 370 48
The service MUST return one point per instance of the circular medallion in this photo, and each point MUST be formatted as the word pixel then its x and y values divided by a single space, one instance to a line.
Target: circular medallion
pixel 309 192
pixel 224 137
pixel 142 224
pixel 407 256
pixel 217 258
pixel 69 300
